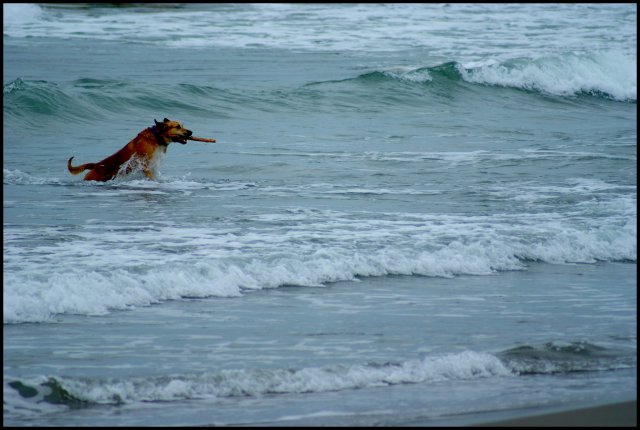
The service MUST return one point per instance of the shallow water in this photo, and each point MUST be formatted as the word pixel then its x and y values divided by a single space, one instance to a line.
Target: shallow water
pixel 393 226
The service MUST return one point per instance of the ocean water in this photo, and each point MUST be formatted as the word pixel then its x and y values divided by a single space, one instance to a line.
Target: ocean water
pixel 413 214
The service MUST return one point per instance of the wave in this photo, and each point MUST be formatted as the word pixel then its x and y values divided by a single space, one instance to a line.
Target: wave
pixel 317 247
pixel 81 392
pixel 35 297
pixel 332 27
pixel 90 100
pixel 32 100
pixel 565 357
pixel 610 75
pixel 77 392
pixel 603 75
pixel 21 14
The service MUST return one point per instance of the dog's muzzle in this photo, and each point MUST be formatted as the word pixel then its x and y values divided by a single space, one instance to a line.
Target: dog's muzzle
pixel 182 139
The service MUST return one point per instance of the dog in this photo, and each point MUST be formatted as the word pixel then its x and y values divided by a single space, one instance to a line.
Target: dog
pixel 144 148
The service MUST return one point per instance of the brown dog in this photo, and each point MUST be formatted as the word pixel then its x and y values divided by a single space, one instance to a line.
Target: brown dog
pixel 146 146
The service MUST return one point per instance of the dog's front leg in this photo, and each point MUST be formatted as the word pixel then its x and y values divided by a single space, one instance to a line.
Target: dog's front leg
pixel 149 173
pixel 145 165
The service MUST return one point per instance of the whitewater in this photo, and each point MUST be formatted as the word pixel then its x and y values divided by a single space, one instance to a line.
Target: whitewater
pixel 414 213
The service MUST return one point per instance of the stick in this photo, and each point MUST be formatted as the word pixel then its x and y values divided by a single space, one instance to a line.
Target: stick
pixel 201 139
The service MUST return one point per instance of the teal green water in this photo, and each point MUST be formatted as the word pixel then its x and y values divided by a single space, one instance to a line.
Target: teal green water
pixel 411 211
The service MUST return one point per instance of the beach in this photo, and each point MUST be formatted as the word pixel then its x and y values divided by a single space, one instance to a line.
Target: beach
pixel 623 414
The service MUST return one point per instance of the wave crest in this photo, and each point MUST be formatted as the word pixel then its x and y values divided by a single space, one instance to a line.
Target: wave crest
pixel 607 74
pixel 602 74
pixel 550 358
pixel 231 262
pixel 564 357
pixel 76 392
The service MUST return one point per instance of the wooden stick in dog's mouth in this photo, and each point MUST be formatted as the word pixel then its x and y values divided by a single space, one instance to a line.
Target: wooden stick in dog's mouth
pixel 200 139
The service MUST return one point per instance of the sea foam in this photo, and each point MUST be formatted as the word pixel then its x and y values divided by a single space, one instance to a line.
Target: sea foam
pixel 440 29
pixel 18 14
pixel 467 365
pixel 166 261
pixel 609 73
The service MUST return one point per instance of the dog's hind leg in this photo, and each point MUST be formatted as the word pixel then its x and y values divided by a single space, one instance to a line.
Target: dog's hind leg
pixel 80 168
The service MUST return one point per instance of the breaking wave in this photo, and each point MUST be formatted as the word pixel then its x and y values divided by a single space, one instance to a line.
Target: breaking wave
pixel 47 392
pixel 79 392
pixel 165 261
pixel 607 75
pixel 611 75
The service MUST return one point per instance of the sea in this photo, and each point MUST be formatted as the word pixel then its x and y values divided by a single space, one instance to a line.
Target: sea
pixel 414 214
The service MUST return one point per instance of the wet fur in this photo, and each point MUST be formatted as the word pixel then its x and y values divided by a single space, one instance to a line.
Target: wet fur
pixel 144 148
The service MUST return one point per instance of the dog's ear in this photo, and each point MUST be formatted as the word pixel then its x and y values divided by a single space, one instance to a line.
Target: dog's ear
pixel 160 126
pixel 166 120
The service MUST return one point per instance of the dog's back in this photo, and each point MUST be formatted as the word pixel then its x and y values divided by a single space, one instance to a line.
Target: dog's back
pixel 144 147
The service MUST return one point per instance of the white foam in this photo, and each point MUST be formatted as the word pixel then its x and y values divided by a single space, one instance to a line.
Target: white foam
pixel 410 74
pixel 18 177
pixel 608 72
pixel 20 14
pixel 331 27
pixel 466 365
pixel 457 158
pixel 87 271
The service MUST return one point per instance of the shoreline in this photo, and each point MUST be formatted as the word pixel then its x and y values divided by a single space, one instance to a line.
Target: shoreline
pixel 618 414
pixel 622 413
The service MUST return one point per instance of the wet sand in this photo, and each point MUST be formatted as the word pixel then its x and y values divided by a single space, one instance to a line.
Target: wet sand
pixel 621 414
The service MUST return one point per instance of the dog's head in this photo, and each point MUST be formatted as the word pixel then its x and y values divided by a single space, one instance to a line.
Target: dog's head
pixel 172 131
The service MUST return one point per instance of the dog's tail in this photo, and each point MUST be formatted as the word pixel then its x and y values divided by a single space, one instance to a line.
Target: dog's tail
pixel 80 168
